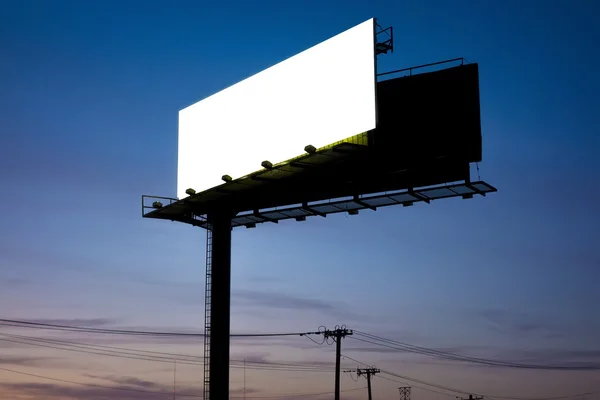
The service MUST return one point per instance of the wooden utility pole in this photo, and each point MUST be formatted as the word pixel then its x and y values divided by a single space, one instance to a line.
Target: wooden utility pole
pixel 368 372
pixel 337 334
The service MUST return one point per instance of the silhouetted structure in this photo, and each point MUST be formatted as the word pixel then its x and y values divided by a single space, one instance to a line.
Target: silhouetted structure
pixel 368 372
pixel 338 334
pixel 471 397
pixel 428 133
pixel 404 392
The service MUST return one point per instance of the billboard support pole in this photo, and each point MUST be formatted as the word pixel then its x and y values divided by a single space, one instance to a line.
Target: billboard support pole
pixel 219 283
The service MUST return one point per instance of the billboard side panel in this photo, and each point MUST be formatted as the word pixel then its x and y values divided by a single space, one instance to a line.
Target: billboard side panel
pixel 320 96
pixel 430 116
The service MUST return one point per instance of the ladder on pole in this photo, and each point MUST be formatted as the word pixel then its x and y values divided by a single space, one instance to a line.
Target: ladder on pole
pixel 207 312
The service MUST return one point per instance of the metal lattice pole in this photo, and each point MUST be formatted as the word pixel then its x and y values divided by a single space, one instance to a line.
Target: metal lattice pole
pixel 404 393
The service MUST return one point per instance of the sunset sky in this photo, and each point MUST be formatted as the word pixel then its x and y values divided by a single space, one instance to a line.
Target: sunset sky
pixel 89 98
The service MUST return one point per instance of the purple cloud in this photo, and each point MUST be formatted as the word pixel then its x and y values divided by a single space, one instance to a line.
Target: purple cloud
pixel 27 361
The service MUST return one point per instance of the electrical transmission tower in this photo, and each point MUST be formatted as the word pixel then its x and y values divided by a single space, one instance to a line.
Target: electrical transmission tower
pixel 404 392
pixel 337 334
pixel 368 372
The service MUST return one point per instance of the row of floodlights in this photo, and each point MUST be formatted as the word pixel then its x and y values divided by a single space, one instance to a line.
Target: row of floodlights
pixel 300 218
pixel 310 149
pixel 158 204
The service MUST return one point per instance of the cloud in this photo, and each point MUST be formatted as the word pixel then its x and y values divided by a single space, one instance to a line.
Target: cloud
pixel 568 358
pixel 250 357
pixel 26 361
pixel 284 301
pixel 346 394
pixel 78 322
pixel 242 390
pixel 518 325
pixel 280 300
pixel 513 323
pixel 127 381
pixel 114 387
pixel 50 390
pixel 256 277
pixel 295 342
pixel 12 282
pixel 145 342
pixel 126 388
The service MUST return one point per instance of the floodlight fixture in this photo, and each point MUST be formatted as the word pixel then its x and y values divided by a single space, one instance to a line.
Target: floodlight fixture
pixel 382 48
pixel 301 218
pixel 467 196
pixel 407 204
pixel 251 225
pixel 157 204
pixel 226 178
pixel 353 212
pixel 190 192
pixel 310 149
pixel 267 164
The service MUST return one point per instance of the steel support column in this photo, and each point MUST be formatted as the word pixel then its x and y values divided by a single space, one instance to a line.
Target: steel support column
pixel 220 225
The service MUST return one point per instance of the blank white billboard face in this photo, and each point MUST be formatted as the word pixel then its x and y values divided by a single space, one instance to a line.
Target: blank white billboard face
pixel 320 96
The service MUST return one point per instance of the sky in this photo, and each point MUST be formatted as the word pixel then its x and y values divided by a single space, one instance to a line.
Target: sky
pixel 89 99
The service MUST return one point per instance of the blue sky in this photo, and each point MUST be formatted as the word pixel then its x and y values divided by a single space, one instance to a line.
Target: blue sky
pixel 90 93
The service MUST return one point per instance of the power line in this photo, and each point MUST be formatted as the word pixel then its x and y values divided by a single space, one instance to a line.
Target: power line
pixel 449 389
pixel 422 350
pixel 569 396
pixel 418 387
pixel 89 349
pixel 182 362
pixel 94 385
pixel 97 353
pixel 68 342
pixel 458 391
pixel 400 346
pixel 39 325
pixel 355 360
pixel 296 395
pixel 170 355
pixel 260 365
pixel 164 393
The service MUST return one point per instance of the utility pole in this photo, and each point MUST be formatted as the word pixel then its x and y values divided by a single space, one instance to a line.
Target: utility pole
pixel 368 372
pixel 174 377
pixel 471 397
pixel 337 334
pixel 404 392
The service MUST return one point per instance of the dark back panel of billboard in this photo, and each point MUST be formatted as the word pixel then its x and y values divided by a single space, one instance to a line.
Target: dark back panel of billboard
pixel 429 116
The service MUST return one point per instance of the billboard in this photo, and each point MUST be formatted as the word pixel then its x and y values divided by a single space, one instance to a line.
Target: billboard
pixel 323 95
